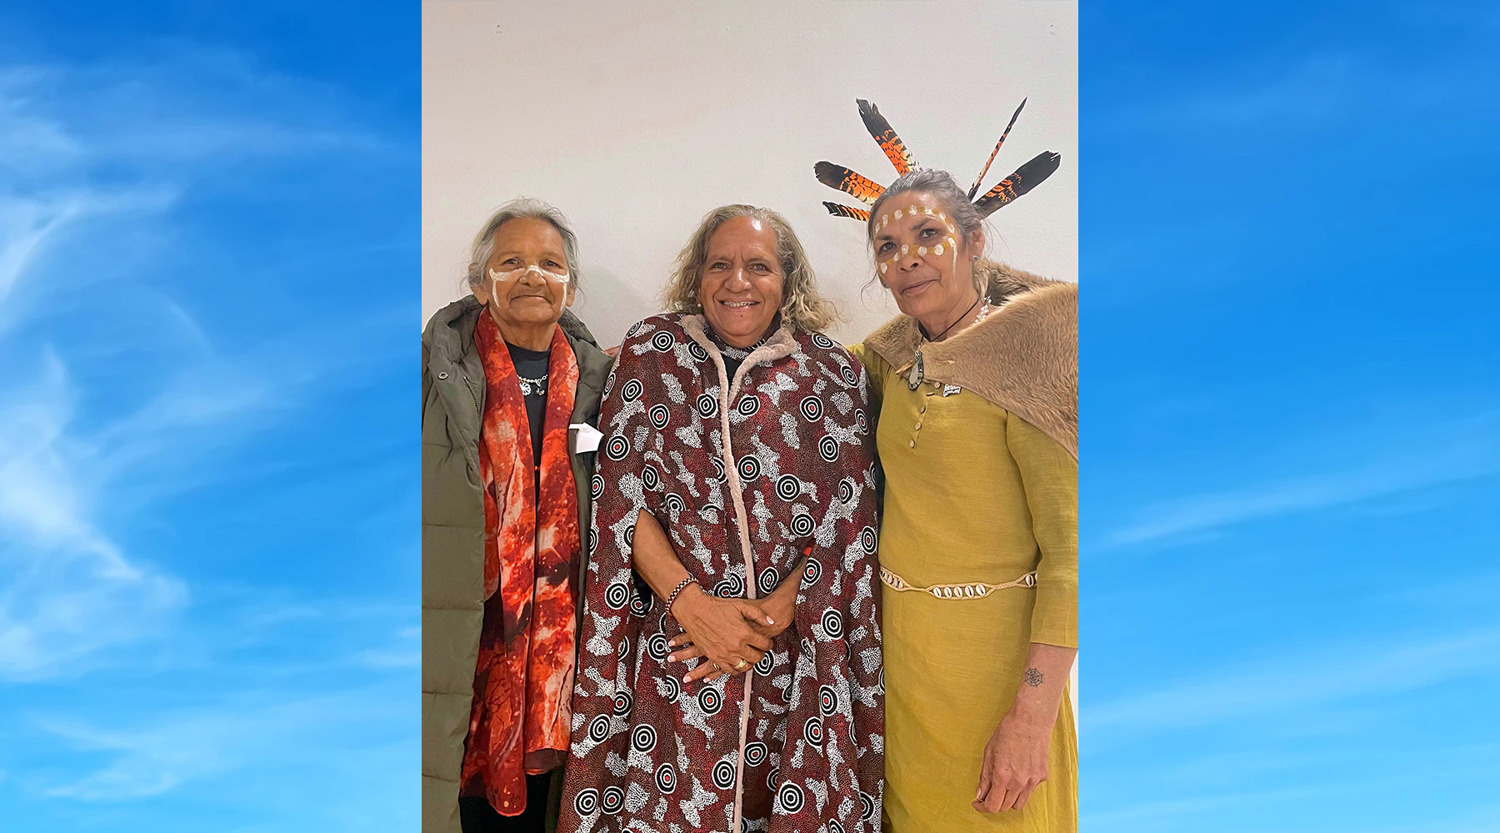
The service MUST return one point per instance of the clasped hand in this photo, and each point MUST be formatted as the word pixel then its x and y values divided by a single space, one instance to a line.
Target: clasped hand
pixel 731 634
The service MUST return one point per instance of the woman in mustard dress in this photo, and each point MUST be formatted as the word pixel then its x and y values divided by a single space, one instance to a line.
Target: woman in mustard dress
pixel 976 385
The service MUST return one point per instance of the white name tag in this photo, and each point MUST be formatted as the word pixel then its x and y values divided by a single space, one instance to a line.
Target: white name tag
pixel 586 438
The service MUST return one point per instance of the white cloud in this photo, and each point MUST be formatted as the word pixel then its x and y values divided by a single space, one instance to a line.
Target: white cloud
pixel 1303 680
pixel 1450 453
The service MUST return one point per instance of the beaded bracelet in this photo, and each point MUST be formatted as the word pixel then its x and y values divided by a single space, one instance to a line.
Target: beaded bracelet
pixel 678 589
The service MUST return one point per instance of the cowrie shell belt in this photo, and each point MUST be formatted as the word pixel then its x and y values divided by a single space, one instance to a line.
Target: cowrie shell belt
pixel 971 590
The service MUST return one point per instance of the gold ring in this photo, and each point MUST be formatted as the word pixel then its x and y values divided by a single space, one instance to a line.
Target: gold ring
pixel 741 665
pixel 716 667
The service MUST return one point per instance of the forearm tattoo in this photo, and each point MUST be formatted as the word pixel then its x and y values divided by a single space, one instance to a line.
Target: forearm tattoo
pixel 1033 677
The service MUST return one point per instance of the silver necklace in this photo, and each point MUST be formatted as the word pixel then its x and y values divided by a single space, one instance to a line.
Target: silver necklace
pixel 529 385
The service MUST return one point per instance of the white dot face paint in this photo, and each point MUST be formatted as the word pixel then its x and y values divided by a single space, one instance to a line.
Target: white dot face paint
pixel 938 249
pixel 898 214
pixel 922 250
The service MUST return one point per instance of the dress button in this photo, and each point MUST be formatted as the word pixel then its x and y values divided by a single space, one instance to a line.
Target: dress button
pixel 919 425
pixel 912 444
pixel 922 410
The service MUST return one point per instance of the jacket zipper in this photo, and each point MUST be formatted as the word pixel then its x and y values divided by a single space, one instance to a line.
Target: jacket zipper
pixel 478 409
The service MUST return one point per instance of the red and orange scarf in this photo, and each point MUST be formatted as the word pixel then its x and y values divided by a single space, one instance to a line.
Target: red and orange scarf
pixel 524 680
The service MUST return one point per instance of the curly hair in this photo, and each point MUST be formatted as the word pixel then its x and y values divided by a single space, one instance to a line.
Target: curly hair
pixel 800 302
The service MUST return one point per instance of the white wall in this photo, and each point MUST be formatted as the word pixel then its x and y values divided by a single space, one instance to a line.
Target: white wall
pixel 636 118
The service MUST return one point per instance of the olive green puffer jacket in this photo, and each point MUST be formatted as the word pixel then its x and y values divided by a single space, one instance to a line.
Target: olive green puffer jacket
pixel 453 533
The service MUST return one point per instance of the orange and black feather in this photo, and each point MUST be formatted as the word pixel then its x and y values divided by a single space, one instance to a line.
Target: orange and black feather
pixel 885 137
pixel 845 211
pixel 861 188
pixel 1013 187
pixel 978 179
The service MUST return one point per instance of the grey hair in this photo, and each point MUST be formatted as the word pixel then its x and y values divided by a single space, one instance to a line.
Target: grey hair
pixel 941 185
pixel 800 302
pixel 528 208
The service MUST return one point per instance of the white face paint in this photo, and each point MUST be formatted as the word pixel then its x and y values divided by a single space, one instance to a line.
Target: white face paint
pixel 498 277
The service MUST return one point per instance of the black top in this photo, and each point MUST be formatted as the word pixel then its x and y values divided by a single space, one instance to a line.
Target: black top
pixel 534 365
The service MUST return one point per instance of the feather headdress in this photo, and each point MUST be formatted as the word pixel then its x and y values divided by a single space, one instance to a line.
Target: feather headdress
pixel 866 190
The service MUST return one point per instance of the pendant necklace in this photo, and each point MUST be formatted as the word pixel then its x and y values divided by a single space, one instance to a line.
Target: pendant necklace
pixel 914 378
pixel 537 385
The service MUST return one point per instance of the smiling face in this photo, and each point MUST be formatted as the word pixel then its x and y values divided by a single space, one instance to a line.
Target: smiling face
pixel 742 281
pixel 526 281
pixel 923 259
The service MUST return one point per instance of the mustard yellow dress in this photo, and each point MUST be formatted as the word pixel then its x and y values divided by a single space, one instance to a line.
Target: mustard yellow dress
pixel 972 493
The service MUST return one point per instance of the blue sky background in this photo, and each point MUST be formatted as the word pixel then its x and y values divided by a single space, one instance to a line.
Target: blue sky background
pixel 208 462
pixel 208 476
pixel 1291 459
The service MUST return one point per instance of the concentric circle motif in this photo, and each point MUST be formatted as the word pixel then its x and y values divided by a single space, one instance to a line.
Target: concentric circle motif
pixel 788 487
pixel 786 693
pixel 623 649
pixel 613 800
pixel 823 341
pixel 640 603
pixel 616 447
pixel 789 795
pixel 773 777
pixel 649 477
pixel 768 580
pixel 697 352
pixel 732 586
pixel 609 383
pixel 599 728
pixel 623 702
pixel 596 487
pixel 833 623
pixel 803 524
pixel 674 502
pixel 849 375
pixel 710 700
pixel 634 328
pixel 663 341
pixel 812 572
pixel 592 540
pixel 859 420
pixel 666 778
pixel 846 490
pixel 811 408
pixel 586 802
pixel 869 540
pixel 659 415
pixel 834 826
pixel 828 700
pixel 643 738
pixel 723 775
pixel 880 680
pixel 617 595
pixel 656 646
pixel 828 448
pixel 764 665
pixel 866 806
pixel 812 731
pixel 718 468
pixel 748 468
pixel 748 406
pixel 674 687
pixel 632 390
pixel 708 406
pixel 755 753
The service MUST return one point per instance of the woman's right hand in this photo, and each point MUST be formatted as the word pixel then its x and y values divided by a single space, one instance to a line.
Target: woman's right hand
pixel 722 631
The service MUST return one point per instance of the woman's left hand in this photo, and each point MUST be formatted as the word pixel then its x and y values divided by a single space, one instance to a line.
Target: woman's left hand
pixel 1015 761
pixel 781 606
